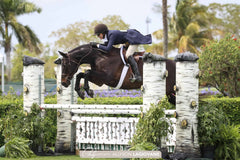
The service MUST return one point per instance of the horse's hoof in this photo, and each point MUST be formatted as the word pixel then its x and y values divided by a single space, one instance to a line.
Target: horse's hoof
pixel 90 93
pixel 81 94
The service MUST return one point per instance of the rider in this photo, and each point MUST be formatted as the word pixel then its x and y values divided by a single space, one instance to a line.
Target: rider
pixel 114 37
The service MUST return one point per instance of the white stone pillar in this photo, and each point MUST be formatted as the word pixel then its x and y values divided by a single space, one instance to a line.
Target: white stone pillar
pixel 65 142
pixel 33 85
pixel 187 108
pixel 154 82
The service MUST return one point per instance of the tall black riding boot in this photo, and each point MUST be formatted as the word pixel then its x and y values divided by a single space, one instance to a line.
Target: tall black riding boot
pixel 137 77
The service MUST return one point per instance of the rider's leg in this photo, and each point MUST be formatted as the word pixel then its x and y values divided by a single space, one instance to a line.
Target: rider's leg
pixel 129 54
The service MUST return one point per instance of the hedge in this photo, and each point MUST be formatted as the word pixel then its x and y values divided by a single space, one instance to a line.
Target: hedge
pixel 231 106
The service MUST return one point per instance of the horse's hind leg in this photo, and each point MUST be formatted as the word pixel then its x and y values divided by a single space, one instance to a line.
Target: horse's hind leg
pixel 77 85
pixel 86 85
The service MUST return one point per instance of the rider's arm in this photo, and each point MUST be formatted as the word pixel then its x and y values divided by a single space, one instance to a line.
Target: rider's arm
pixel 111 41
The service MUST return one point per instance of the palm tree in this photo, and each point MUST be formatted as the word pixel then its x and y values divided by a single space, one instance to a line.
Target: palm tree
pixel 9 10
pixel 191 25
pixel 165 28
pixel 162 47
pixel 188 28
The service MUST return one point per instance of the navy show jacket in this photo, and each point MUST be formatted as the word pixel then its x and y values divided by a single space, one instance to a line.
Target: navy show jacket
pixel 131 36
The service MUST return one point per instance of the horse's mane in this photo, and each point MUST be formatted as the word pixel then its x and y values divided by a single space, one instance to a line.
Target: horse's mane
pixel 112 52
pixel 79 48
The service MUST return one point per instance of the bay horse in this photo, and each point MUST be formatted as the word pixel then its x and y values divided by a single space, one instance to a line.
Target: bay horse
pixel 106 68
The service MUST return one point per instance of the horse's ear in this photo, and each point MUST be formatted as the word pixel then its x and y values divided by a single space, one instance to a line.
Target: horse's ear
pixel 58 61
pixel 63 54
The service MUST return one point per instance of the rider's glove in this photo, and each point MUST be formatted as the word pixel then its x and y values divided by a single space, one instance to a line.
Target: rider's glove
pixel 94 44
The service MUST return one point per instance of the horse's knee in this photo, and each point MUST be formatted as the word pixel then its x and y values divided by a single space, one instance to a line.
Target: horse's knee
pixel 80 75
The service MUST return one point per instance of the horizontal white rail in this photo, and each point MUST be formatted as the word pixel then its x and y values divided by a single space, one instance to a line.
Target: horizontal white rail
pixel 94 106
pixel 105 119
pixel 104 111
pixel 100 109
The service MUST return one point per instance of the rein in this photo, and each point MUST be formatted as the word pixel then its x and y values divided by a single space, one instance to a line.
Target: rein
pixel 78 63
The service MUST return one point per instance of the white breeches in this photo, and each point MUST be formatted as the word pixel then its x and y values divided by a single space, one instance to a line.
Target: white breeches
pixel 131 49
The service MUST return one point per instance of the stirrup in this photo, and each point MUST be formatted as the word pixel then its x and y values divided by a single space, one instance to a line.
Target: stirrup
pixel 135 79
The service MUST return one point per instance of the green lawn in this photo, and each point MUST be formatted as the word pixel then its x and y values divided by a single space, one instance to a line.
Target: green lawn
pixel 72 157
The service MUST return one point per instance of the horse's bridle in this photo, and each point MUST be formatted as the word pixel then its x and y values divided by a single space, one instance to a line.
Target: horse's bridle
pixel 69 78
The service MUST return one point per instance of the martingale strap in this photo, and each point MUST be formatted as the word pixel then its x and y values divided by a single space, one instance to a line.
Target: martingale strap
pixel 124 70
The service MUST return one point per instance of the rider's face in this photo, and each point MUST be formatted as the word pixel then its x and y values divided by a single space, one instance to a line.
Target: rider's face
pixel 101 36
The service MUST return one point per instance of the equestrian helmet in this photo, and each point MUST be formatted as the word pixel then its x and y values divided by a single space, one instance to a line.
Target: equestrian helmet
pixel 100 28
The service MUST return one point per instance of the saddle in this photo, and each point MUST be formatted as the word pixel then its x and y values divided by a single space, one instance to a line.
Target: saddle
pixel 136 55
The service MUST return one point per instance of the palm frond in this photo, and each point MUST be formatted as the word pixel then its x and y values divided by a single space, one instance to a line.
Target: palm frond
pixel 158 34
pixel 192 29
pixel 183 44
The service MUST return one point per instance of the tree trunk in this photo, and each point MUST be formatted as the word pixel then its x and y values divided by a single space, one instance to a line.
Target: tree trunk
pixel 7 50
pixel 165 28
pixel 8 61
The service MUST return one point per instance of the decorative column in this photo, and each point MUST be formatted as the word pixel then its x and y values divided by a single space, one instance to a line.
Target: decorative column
pixel 33 82
pixel 65 141
pixel 187 105
pixel 154 79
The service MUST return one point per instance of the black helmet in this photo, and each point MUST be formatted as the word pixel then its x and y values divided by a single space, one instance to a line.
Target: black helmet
pixel 100 28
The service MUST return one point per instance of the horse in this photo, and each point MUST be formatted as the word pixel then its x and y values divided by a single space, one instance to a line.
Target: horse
pixel 105 68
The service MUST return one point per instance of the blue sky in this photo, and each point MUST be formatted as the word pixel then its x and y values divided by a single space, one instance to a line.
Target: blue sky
pixel 57 14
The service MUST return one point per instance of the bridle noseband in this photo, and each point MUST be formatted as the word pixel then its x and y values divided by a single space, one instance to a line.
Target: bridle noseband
pixel 71 60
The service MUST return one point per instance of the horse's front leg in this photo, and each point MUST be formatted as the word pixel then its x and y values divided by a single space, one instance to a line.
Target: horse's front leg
pixel 77 85
pixel 86 85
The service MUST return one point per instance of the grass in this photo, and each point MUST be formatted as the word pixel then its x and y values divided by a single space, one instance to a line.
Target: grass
pixel 71 157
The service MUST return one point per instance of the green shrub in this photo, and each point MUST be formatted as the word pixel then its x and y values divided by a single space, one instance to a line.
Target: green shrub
pixel 14 122
pixel 230 106
pixel 50 100
pixel 215 129
pixel 7 104
pixel 152 126
pixel 100 100
pixel 210 119
pixel 228 143
pixel 219 63
pixel 18 148
pixel 111 100
pixel 40 131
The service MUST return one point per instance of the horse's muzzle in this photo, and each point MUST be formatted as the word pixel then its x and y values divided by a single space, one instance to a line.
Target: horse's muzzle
pixel 65 83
